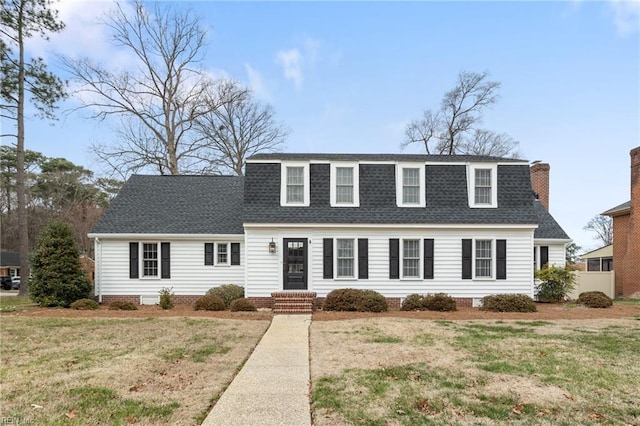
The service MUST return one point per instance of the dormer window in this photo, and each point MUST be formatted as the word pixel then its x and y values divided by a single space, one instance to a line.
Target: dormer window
pixel 410 190
pixel 344 185
pixel 294 189
pixel 483 185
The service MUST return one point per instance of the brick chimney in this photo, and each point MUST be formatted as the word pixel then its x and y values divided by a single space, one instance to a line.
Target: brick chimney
pixel 631 263
pixel 540 182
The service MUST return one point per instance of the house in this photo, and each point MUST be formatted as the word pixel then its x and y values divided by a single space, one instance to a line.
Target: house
pixel 599 260
pixel 305 224
pixel 626 236
pixel 10 263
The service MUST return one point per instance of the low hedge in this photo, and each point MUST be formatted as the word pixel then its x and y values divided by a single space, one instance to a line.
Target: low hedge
pixel 355 300
pixel 508 303
pixel 595 299
pixel 244 305
pixel 431 302
pixel 209 303
pixel 121 305
pixel 84 305
pixel 227 292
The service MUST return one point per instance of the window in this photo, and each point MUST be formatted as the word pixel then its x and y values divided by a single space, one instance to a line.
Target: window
pixel 411 258
pixel 344 184
pixel 295 185
pixel 483 186
pixel 410 185
pixel 150 259
pixel 607 264
pixel 345 257
pixel 593 265
pixel 483 259
pixel 222 254
pixel 294 188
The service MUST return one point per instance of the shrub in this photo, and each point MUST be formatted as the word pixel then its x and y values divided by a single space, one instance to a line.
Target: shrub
pixel 166 296
pixel 121 305
pixel 439 302
pixel 413 302
pixel 58 278
pixel 350 299
pixel 242 304
pixel 209 303
pixel 227 292
pixel 555 284
pixel 595 299
pixel 508 303
pixel 85 305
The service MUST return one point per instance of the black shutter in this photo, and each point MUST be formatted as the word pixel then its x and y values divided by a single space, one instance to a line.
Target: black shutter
pixel 501 259
pixel 165 260
pixel 544 256
pixel 327 258
pixel 394 258
pixel 363 258
pixel 235 253
pixel 208 253
pixel 466 259
pixel 133 260
pixel 428 258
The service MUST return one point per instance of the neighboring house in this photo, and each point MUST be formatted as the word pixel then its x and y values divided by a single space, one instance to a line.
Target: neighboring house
pixel 599 260
pixel 626 236
pixel 10 263
pixel 467 226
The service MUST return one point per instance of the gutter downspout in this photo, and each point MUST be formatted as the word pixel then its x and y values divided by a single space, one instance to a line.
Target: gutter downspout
pixel 98 270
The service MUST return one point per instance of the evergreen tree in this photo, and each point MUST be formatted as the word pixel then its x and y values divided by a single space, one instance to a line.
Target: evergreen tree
pixel 58 279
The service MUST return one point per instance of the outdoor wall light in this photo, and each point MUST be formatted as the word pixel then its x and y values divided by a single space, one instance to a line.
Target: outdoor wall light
pixel 272 247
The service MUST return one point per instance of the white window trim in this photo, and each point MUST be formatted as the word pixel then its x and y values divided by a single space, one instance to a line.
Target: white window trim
pixel 493 260
pixel 471 185
pixel 421 167
pixel 215 254
pixel 356 184
pixel 355 259
pixel 420 259
pixel 283 183
pixel 141 275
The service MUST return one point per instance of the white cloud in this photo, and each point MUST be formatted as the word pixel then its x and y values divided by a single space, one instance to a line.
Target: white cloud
pixel 626 16
pixel 256 83
pixel 291 61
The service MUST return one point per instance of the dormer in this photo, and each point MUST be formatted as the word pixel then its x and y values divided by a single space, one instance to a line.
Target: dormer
pixel 410 184
pixel 345 184
pixel 482 185
pixel 294 184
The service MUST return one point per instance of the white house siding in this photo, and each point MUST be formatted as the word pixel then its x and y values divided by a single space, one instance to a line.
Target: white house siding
pixel 557 256
pixel 189 274
pixel 265 272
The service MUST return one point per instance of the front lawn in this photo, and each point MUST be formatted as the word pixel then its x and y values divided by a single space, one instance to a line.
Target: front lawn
pixel 99 371
pixel 396 371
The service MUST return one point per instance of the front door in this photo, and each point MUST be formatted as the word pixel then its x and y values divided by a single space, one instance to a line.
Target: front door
pixel 295 264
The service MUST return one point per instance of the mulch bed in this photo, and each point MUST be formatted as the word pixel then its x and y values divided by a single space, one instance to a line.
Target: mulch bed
pixel 546 311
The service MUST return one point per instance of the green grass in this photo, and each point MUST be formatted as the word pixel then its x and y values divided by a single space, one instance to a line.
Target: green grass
pixel 577 375
pixel 14 303
pixel 627 302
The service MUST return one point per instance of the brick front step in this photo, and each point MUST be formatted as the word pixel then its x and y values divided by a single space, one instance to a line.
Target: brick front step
pixel 293 302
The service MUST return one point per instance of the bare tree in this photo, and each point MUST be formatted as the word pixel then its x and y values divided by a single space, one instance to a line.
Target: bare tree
pixel 238 126
pixel 454 128
pixel 21 20
pixel 157 100
pixel 603 227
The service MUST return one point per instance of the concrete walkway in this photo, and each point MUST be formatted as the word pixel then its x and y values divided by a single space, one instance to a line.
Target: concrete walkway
pixel 272 389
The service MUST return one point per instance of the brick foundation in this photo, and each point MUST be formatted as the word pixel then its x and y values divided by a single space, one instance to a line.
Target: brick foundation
pixel 121 298
pixel 262 302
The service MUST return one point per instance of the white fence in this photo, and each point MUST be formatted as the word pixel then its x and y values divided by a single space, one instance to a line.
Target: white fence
pixel 594 281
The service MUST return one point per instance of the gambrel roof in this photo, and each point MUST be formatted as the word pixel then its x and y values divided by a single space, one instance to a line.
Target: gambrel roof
pixel 221 204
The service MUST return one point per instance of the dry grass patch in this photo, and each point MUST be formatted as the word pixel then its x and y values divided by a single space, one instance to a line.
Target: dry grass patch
pixel 118 371
pixel 475 372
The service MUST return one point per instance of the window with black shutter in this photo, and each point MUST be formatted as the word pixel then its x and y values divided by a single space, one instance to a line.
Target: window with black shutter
pixel 208 253
pixel 235 253
pixel 501 259
pixel 133 260
pixel 165 260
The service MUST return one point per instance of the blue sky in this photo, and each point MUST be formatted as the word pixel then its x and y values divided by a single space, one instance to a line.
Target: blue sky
pixel 349 76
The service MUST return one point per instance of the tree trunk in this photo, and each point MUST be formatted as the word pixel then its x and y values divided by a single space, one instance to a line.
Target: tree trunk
pixel 23 229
